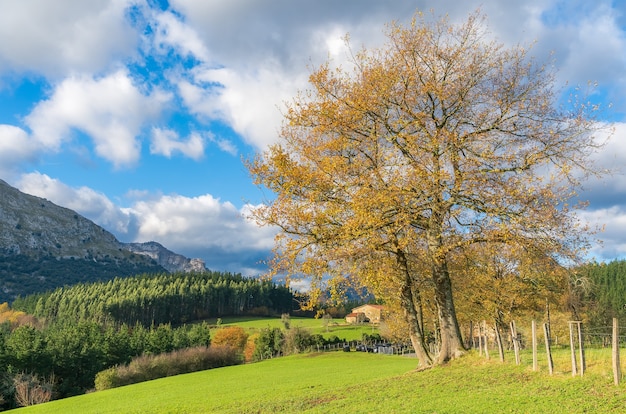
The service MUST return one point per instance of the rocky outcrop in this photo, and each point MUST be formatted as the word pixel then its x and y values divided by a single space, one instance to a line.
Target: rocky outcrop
pixel 171 261
pixel 36 227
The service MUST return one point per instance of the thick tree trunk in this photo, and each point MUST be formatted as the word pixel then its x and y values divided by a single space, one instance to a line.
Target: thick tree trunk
pixel 411 302
pixel 412 314
pixel 451 345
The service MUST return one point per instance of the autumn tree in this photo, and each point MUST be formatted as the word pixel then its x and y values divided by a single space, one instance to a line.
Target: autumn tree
pixel 234 337
pixel 499 283
pixel 441 140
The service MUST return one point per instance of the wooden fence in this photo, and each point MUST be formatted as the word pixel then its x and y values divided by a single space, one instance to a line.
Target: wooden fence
pixel 481 336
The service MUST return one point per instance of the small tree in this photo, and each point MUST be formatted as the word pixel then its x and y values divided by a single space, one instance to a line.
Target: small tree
pixel 234 337
pixel 326 320
pixel 296 340
pixel 268 344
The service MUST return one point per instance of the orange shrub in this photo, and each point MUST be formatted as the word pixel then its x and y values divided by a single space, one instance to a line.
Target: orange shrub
pixel 248 352
pixel 231 336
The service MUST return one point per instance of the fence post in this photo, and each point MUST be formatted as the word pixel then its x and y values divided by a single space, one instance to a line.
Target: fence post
pixel 581 348
pixel 617 371
pixel 499 341
pixel 515 342
pixel 572 347
pixel 486 342
pixel 546 333
pixel 534 333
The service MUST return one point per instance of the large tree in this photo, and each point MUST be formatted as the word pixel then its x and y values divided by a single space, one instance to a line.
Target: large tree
pixel 439 141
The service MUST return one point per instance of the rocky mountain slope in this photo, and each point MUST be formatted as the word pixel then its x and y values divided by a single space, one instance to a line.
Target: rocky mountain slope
pixel 43 246
pixel 171 261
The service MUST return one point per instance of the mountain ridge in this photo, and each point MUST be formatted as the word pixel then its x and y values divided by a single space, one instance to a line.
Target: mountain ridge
pixel 39 239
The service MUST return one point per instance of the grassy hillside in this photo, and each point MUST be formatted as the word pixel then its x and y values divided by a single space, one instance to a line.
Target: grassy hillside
pixel 335 327
pixel 363 383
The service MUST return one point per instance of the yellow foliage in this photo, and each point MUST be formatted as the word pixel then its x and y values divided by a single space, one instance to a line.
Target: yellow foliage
pixel 14 318
pixel 438 148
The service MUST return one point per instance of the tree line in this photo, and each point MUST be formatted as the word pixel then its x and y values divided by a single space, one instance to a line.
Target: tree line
pixel 22 275
pixel 599 293
pixel 162 298
pixel 56 342
pixel 70 354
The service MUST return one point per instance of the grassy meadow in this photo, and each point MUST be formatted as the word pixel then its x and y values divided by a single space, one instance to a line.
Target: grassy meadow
pixel 341 382
pixel 335 327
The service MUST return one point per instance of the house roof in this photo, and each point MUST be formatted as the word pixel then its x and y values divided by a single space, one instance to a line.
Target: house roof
pixel 379 307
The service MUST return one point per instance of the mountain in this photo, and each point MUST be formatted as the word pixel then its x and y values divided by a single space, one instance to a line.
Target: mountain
pixel 44 246
pixel 171 261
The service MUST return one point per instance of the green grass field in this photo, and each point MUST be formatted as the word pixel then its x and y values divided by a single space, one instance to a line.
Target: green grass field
pixel 335 327
pixel 341 382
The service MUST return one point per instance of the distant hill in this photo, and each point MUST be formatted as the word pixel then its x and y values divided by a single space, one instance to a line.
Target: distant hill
pixel 44 246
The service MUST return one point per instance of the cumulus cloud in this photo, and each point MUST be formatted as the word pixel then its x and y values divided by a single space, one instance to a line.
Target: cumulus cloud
pixel 166 142
pixel 204 227
pixel 53 38
pixel 264 48
pixel 612 222
pixel 196 221
pixel 93 205
pixel 111 110
pixel 16 147
pixel 172 32
pixel 609 189
pixel 249 102
pixel 260 52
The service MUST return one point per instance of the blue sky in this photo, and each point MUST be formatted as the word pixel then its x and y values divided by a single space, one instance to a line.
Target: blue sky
pixel 138 113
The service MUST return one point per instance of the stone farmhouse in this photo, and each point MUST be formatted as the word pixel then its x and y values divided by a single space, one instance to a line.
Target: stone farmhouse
pixel 365 313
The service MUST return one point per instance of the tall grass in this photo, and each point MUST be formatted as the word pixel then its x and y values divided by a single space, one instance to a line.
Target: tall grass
pixel 150 367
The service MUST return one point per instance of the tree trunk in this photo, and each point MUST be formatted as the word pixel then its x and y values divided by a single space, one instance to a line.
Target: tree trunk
pixel 416 332
pixel 451 340
pixel 411 302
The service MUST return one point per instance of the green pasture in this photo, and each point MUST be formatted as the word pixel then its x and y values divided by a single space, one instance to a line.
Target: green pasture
pixel 334 327
pixel 355 382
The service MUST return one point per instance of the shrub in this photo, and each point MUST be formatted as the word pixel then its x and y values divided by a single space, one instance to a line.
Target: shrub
pixel 31 390
pixel 250 348
pixel 231 336
pixel 149 367
pixel 107 379
pixel 296 340
pixel 268 344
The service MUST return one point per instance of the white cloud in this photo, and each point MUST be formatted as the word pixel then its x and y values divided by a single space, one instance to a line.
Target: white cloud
pixel 15 147
pixel 260 55
pixel 53 38
pixel 174 33
pixel 249 102
pixel 166 142
pixel 613 222
pixel 111 110
pixel 613 154
pixel 264 48
pixel 226 146
pixel 188 222
pixel 84 200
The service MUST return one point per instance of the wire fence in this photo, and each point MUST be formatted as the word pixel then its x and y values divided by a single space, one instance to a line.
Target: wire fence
pixel 573 350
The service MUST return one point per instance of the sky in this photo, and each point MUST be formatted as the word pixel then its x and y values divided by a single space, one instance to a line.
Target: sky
pixel 139 114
